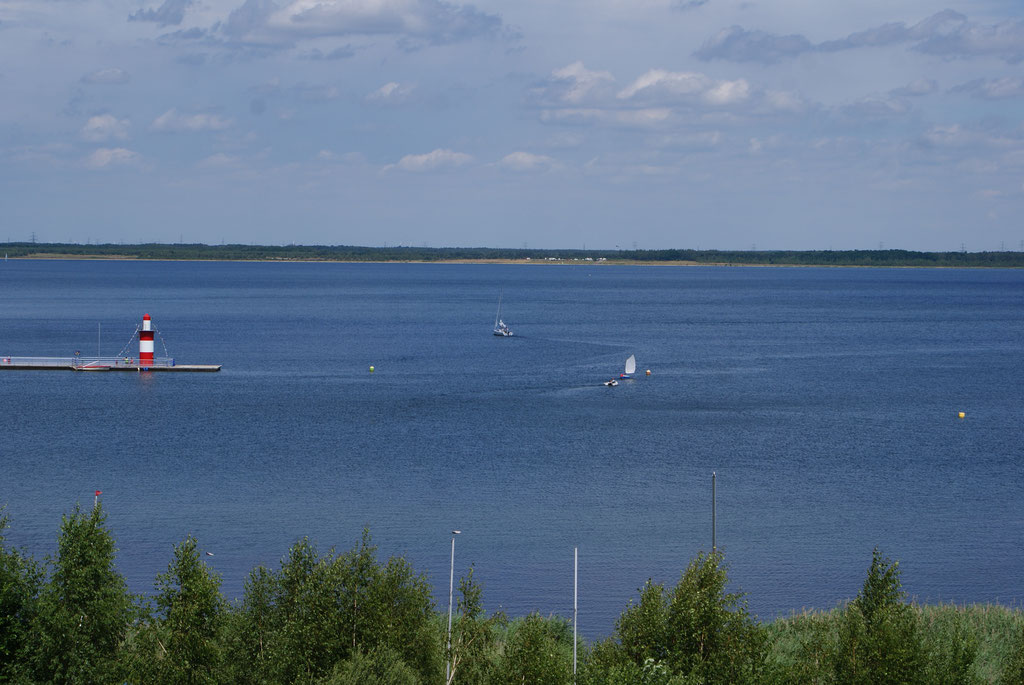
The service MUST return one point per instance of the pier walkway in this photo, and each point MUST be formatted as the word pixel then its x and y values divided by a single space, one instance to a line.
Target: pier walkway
pixel 80 363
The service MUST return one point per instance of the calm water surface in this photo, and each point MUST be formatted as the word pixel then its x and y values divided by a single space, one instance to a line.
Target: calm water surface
pixel 825 399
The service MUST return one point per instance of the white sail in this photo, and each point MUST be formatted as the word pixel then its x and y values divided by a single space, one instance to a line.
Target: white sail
pixel 631 365
pixel 500 327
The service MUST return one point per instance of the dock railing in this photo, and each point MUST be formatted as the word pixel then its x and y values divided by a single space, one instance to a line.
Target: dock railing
pixel 82 362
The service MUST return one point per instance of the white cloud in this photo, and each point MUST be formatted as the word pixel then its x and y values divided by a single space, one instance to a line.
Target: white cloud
pixel 947 33
pixel 921 86
pixel 877 107
pixel 107 77
pixel 170 13
pixel 432 161
pixel 308 93
pixel 526 162
pixel 104 158
pixel 653 116
pixel 220 160
pixel 172 121
pixel 950 136
pixel 389 93
pixel 433 21
pixel 728 93
pixel 662 84
pixel 705 140
pixel 783 101
pixel 105 127
pixel 575 83
pixel 959 136
pixel 993 89
pixel 673 83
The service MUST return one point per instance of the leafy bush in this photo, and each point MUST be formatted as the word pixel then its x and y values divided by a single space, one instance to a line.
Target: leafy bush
pixel 317 611
pixel 698 632
pixel 20 583
pixel 537 651
pixel 85 610
pixel 879 639
pixel 183 642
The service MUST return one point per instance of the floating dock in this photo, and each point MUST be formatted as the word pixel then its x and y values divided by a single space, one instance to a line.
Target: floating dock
pixel 95 364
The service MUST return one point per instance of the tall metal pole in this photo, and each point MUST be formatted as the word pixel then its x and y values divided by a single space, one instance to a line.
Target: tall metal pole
pixel 575 603
pixel 714 505
pixel 451 587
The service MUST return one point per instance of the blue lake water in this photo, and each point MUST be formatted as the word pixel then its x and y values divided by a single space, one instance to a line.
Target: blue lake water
pixel 825 399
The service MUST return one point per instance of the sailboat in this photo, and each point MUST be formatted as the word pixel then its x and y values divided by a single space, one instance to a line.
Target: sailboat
pixel 500 327
pixel 630 367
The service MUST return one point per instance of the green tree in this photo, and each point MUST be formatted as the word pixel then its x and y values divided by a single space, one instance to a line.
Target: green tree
pixel 643 627
pixel 20 582
pixel 319 611
pixel 85 610
pixel 699 630
pixel 474 636
pixel 537 651
pixel 182 643
pixel 381 666
pixel 606 663
pixel 249 629
pixel 710 632
pixel 879 640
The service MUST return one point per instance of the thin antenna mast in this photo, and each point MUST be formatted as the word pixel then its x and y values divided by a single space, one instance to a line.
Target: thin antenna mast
pixel 714 505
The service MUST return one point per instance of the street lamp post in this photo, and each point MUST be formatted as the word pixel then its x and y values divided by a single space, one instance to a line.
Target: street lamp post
pixel 451 587
pixel 575 604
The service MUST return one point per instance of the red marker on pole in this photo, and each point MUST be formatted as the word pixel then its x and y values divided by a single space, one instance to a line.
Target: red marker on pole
pixel 96 499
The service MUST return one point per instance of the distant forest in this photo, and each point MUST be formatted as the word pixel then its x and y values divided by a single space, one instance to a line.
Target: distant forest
pixel 352 253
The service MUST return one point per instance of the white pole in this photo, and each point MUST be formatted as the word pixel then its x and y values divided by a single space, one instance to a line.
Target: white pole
pixel 98 330
pixel 575 603
pixel 451 587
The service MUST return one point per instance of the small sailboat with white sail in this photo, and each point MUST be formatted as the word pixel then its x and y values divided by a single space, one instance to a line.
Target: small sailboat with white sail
pixel 630 367
pixel 501 329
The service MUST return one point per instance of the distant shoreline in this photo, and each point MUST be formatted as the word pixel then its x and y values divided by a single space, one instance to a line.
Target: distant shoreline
pixel 457 255
pixel 483 262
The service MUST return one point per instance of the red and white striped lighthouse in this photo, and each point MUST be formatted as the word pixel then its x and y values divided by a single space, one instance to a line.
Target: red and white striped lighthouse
pixel 146 343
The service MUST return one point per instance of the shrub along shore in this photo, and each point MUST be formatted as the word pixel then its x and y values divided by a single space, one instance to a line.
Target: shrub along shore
pixel 349 618
pixel 355 253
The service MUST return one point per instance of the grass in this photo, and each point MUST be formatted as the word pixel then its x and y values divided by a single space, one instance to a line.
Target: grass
pixel 802 643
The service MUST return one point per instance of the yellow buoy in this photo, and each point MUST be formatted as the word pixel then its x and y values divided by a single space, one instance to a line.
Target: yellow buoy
pixel 371 369
pixel 961 415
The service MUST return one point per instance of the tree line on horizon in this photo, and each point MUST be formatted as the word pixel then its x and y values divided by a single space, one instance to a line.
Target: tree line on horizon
pixel 351 253
pixel 348 618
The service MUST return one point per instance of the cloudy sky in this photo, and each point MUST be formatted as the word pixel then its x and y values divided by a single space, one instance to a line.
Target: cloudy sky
pixel 803 124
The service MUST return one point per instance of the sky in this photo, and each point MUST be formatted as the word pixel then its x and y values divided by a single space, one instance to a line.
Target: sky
pixel 650 124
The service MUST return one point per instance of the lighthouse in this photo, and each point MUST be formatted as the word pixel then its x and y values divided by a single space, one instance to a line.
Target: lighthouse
pixel 146 343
